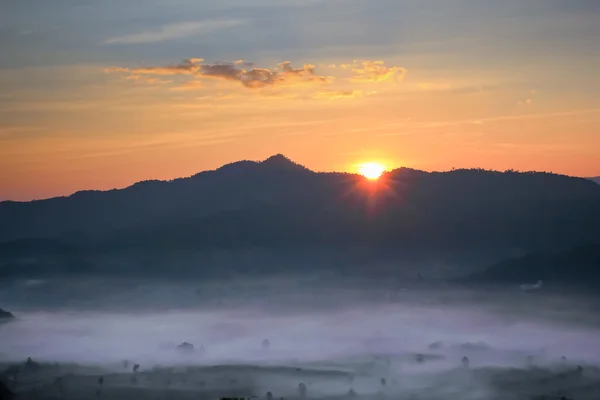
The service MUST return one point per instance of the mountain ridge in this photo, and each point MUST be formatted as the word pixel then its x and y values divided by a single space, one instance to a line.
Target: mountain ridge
pixel 580 265
pixel 280 207
pixel 277 160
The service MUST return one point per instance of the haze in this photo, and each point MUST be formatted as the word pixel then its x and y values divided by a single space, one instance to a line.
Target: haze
pixel 143 321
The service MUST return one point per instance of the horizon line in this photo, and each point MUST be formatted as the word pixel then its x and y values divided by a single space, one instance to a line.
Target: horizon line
pixel 281 155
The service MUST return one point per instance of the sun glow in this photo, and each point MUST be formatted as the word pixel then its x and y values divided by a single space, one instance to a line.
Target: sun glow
pixel 371 170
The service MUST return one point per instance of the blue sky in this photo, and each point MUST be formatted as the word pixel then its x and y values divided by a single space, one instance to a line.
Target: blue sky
pixel 70 31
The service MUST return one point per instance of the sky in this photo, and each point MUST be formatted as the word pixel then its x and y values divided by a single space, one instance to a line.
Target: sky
pixel 102 94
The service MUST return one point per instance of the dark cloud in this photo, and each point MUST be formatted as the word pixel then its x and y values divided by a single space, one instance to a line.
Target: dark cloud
pixel 239 71
pixel 262 77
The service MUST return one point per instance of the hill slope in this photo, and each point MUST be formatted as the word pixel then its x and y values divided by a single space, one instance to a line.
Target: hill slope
pixel 281 206
pixel 580 265
pixel 230 187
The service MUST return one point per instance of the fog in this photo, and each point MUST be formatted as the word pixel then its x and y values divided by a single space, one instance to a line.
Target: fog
pixel 332 330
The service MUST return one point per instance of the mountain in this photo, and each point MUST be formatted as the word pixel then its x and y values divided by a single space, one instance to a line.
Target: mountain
pixel 249 214
pixel 579 265
pixel 5 315
pixel 596 179
pixel 92 212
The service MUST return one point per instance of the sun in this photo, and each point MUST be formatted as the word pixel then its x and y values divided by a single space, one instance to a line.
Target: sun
pixel 371 170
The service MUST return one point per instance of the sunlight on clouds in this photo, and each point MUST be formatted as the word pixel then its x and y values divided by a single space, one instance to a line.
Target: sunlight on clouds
pixel 333 95
pixel 374 71
pixel 252 78
pixel 190 85
pixel 147 80
pixel 526 102
pixel 283 76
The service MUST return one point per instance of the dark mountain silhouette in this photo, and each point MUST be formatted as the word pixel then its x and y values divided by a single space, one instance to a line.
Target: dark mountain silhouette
pixel 5 315
pixel 579 265
pixel 230 187
pixel 5 392
pixel 249 214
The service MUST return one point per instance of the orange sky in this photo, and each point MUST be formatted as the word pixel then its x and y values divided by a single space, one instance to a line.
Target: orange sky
pixel 502 93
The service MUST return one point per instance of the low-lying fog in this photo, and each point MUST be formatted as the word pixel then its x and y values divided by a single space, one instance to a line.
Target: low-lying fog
pixel 373 331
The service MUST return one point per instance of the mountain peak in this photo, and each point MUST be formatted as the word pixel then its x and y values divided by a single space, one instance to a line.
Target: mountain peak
pixel 280 161
pixel 278 158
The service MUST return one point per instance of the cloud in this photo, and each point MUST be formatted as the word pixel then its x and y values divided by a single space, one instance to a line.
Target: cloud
pixel 262 77
pixel 282 80
pixel 374 71
pixel 526 102
pixel 190 85
pixel 189 66
pixel 237 71
pixel 501 118
pixel 147 80
pixel 111 70
pixel 174 31
pixel 339 94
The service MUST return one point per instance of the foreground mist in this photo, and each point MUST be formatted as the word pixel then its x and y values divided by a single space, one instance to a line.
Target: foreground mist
pixel 340 339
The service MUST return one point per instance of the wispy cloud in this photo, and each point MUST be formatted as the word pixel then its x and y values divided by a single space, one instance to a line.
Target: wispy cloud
pixel 526 102
pixel 340 94
pixel 418 126
pixel 147 80
pixel 374 71
pixel 174 31
pixel 12 132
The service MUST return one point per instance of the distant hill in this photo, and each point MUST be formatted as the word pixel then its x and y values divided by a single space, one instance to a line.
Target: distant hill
pixel 579 265
pixel 5 315
pixel 596 179
pixel 248 209
pixel 230 187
